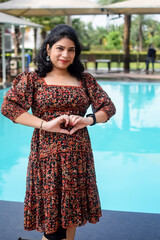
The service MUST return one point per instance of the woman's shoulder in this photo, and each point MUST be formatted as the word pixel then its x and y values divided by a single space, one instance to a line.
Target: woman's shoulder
pixel 32 75
pixel 87 75
pixel 27 77
pixel 88 79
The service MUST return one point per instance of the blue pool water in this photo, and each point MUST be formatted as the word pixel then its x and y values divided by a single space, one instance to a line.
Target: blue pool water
pixel 126 150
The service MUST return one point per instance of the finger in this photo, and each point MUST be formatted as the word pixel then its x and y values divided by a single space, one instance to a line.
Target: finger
pixel 58 119
pixel 64 131
pixel 78 120
pixel 66 119
pixel 73 119
pixel 63 118
pixel 73 130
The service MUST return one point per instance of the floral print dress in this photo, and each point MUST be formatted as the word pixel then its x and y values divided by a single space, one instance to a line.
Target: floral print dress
pixel 61 185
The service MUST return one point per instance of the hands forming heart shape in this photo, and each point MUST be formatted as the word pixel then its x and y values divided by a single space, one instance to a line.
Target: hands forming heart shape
pixel 62 122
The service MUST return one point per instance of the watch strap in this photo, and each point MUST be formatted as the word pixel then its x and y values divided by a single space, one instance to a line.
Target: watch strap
pixel 93 116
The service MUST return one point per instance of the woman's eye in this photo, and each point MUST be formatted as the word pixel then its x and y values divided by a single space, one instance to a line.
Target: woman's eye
pixel 59 48
pixel 72 50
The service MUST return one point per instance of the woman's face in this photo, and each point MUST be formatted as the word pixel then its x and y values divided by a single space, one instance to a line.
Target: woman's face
pixel 62 53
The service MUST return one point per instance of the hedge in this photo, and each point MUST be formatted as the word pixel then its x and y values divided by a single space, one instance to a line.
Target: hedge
pixel 115 57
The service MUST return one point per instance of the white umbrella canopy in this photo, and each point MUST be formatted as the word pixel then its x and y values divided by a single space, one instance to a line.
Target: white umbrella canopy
pixel 50 7
pixel 7 19
pixel 134 7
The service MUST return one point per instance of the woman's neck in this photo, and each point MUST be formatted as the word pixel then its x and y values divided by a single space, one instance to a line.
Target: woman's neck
pixel 61 78
pixel 58 73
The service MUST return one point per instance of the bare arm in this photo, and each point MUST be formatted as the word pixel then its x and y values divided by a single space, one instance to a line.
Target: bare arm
pixel 30 120
pixel 80 122
pixel 101 116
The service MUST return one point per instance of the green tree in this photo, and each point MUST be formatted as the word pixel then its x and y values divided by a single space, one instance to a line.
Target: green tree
pixel 114 41
pixel 138 29
pixel 81 30
pixel 151 33
pixel 126 34
pixel 90 38
pixel 47 22
pixel 100 38
pixel 137 34
pixel 86 33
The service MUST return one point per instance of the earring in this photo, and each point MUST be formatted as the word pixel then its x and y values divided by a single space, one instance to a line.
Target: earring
pixel 48 58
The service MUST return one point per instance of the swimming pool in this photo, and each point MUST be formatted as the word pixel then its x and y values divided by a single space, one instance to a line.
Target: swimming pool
pixel 126 150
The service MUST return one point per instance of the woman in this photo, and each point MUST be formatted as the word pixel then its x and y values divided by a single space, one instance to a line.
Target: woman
pixel 61 190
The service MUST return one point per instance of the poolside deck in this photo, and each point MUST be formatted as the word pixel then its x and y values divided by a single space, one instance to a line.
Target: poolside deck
pixel 119 75
pixel 113 225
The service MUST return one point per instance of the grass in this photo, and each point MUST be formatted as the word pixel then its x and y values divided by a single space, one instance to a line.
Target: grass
pixel 134 66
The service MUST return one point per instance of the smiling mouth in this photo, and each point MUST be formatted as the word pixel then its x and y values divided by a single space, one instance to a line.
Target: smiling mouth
pixel 64 61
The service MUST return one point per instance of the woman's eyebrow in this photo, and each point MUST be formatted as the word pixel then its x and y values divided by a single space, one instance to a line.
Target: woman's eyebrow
pixel 64 46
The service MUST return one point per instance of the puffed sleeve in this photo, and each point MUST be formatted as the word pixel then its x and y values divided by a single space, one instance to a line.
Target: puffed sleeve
pixel 18 99
pixel 99 99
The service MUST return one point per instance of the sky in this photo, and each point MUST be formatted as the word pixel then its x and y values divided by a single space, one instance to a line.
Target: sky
pixel 100 20
pixel 103 20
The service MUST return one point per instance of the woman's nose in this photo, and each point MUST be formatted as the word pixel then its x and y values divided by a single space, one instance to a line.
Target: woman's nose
pixel 65 53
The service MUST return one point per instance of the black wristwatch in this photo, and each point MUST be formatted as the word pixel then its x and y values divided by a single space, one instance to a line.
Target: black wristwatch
pixel 93 116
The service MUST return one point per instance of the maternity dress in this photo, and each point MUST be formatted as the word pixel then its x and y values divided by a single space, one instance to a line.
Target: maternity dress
pixel 61 185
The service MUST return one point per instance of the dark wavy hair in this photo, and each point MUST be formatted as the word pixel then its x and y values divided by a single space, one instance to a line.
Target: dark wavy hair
pixel 57 33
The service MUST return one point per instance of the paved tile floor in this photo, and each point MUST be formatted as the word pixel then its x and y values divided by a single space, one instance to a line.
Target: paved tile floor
pixel 119 75
pixel 112 226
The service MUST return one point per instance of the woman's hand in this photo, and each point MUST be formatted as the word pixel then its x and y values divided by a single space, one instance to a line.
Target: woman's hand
pixel 55 124
pixel 76 121
pixel 79 122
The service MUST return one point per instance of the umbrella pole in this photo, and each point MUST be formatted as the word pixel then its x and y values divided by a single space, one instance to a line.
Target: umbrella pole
pixel 68 20
pixel 127 27
pixel 35 43
pixel 3 56
pixel 23 52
